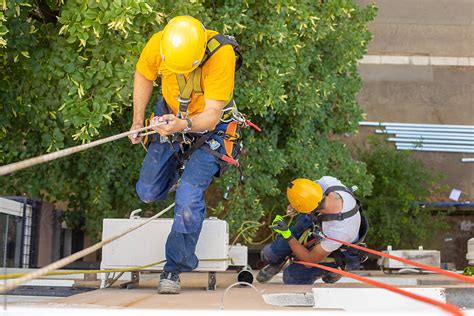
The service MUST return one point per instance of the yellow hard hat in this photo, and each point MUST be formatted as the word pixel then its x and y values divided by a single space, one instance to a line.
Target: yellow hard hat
pixel 304 195
pixel 183 44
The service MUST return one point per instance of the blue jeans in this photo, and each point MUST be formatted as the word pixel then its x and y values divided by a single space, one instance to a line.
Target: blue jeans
pixel 158 174
pixel 276 252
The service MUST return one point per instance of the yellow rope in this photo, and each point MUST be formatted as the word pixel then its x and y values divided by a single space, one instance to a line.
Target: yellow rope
pixel 247 239
pixel 17 275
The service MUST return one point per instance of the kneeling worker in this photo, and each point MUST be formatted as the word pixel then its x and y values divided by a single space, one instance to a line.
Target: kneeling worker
pixel 325 206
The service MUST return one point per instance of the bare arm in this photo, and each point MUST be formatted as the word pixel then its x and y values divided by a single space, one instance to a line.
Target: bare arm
pixel 206 120
pixel 317 254
pixel 142 90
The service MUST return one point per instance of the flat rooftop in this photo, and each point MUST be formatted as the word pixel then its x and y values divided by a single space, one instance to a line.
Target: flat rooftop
pixel 273 296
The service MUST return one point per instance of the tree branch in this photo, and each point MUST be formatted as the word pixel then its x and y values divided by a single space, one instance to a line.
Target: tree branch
pixel 46 13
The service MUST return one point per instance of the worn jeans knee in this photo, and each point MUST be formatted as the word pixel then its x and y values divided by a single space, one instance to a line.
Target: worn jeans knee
pixel 149 193
pixel 269 256
pixel 158 173
pixel 190 209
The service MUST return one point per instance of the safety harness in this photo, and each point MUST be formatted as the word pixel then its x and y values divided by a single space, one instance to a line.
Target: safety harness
pixel 344 256
pixel 340 216
pixel 193 83
pixel 190 142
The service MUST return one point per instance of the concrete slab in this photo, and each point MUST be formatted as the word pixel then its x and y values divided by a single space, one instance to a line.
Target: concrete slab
pixel 398 73
pixel 374 299
pixel 290 299
pixel 443 61
pixel 462 297
pixel 428 27
pixel 48 282
pixel 394 60
pixel 434 40
pixel 78 311
pixel 419 60
pixel 424 12
pixel 387 280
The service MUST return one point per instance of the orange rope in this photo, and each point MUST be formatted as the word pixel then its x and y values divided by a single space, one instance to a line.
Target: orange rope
pixel 445 306
pixel 413 263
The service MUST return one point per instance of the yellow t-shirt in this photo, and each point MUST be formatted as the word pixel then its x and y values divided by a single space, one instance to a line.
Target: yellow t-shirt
pixel 217 80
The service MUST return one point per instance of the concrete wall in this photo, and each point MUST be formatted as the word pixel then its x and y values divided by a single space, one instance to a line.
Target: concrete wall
pixel 423 94
pixel 424 27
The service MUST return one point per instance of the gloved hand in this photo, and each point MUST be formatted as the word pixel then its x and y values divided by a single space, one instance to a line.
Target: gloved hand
pixel 279 226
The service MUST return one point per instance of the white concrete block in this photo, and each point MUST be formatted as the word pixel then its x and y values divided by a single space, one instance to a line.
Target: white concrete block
pixel 471 61
pixel 239 255
pixel 396 280
pixel 395 60
pixel 370 59
pixel 420 60
pixel 377 300
pixel 443 61
pixel 463 61
pixel 47 282
pixel 289 299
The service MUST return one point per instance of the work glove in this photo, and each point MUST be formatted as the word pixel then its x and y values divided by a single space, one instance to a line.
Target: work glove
pixel 279 226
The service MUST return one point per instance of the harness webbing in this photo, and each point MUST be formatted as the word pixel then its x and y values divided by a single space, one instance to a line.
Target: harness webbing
pixel 186 89
pixel 340 216
pixel 193 83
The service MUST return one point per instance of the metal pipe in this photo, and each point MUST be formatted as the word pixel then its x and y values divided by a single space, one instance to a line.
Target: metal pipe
pixel 429 141
pixel 467 160
pixel 431 149
pixel 426 134
pixel 415 125
pixel 423 136
pixel 245 275
pixel 440 146
pixel 432 129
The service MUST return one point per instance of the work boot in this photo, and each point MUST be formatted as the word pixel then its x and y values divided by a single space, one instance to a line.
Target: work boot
pixel 169 283
pixel 331 277
pixel 269 271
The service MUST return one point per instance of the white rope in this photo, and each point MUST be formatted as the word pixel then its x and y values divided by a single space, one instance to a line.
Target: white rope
pixel 234 284
pixel 16 166
pixel 65 261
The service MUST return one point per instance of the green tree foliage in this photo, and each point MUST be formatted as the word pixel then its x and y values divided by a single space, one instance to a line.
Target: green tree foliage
pixel 400 181
pixel 66 77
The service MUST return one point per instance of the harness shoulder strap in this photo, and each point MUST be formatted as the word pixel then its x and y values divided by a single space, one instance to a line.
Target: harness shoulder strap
pixel 186 89
pixel 219 40
pixel 193 83
pixel 340 216
pixel 339 188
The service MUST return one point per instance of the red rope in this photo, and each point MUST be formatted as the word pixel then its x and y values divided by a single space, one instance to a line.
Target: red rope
pixel 445 306
pixel 413 263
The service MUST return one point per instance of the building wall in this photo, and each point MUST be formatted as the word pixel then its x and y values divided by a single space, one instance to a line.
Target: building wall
pixel 423 94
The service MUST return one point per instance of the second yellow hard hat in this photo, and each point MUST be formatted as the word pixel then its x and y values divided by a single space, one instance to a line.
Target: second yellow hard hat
pixel 304 195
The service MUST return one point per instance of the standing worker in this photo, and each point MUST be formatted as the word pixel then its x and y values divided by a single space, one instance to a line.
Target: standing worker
pixel 200 135
pixel 325 206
